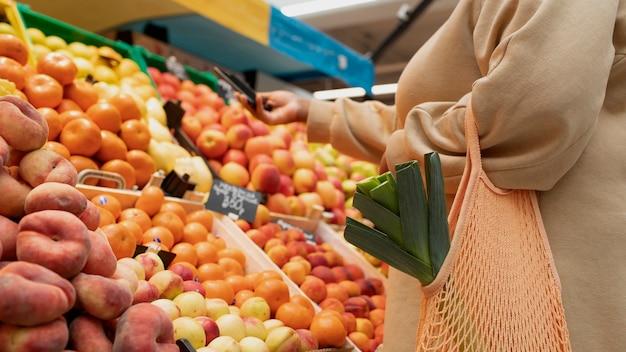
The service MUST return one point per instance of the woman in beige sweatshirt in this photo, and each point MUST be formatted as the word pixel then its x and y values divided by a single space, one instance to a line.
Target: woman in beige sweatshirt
pixel 547 81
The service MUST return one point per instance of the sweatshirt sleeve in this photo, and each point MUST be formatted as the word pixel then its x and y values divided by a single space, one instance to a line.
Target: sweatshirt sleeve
pixel 543 66
pixel 358 129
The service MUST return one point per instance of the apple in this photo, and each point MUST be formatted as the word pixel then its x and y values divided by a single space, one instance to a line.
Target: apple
pixel 255 307
pixel 151 263
pixel 169 283
pixel 32 294
pixel 55 239
pixel 255 327
pixel 184 270
pixel 211 330
pixel 225 344
pixel 191 304
pixel 189 328
pixel 231 325
pixel 194 286
pixel 216 307
pixel 145 292
pixel 212 143
pixel 253 344
pixel 283 338
pixel 44 165
pixel 144 327
pixel 266 178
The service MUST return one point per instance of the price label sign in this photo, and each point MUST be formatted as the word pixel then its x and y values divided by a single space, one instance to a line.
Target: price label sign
pixel 233 201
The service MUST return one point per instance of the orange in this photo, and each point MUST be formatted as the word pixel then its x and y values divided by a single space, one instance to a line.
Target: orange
pixel 305 302
pixel 105 115
pixel 175 208
pixel 81 136
pixel 122 241
pixel 217 241
pixel 294 315
pixel 242 295
pixel 58 148
pixel 55 124
pixel 126 105
pixel 235 253
pixel 185 252
pixel 113 147
pixel 360 340
pixel 82 93
pixel 266 275
pixel 219 289
pixel 83 163
pixel 67 105
pixel 108 202
pixel 274 291
pixel 230 266
pixel 137 215
pixel 329 330
pixel 134 228
pixel 69 115
pixel 143 164
pixel 207 252
pixel 57 65
pixel 13 71
pixel 121 167
pixel 240 282
pixel 172 222
pixel 203 216
pixel 150 200
pixel 194 232
pixel 135 134
pixel 159 234
pixel 210 271
pixel 106 217
pixel 42 90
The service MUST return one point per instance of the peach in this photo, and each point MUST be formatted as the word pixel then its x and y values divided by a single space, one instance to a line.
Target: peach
pixel 258 160
pixel 8 238
pixel 257 145
pixel 317 259
pixel 266 178
pixel 258 237
pixel 370 286
pixel 281 132
pixel 296 248
pixel 23 126
pixel 90 216
pixel 185 271
pixel 308 341
pixel 52 336
pixel 33 295
pixel 231 115
pixel 332 303
pixel 277 203
pixel 356 272
pixel 145 292
pixel 304 180
pixel 55 196
pixel 151 263
pixel 55 239
pixel 212 143
pixel 102 297
pixel 351 287
pixel 44 165
pixel 283 338
pixel 324 272
pixel 235 174
pixel 365 326
pixel 211 330
pixel 327 192
pixel 314 288
pixel 101 260
pixel 169 283
pixel 349 321
pixel 258 127
pixel 14 195
pixel 235 155
pixel 126 275
pixel 335 290
pixel 144 327
pixel 296 271
pixel 286 185
pixel 238 134
pixel 358 306
pixel 87 333
pixel 278 254
pixel 303 159
pixel 296 205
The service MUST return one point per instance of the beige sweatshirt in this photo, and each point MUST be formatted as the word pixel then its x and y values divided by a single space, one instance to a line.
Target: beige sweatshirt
pixel 548 84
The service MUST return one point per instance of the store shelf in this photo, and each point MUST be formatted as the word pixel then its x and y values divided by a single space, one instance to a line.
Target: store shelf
pixel 245 36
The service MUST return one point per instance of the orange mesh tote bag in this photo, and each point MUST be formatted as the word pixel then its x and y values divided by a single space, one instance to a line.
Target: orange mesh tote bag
pixel 498 289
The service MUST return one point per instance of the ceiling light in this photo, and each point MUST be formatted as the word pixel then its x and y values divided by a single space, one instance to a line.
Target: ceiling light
pixel 339 93
pixel 309 7
pixel 384 89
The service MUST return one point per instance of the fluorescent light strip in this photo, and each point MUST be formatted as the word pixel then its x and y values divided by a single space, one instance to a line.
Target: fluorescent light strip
pixel 309 7
pixel 377 90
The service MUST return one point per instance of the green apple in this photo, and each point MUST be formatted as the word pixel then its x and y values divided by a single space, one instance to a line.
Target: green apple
pixel 255 307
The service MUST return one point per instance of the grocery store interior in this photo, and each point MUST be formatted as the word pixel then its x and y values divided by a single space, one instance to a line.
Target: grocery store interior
pixel 387 32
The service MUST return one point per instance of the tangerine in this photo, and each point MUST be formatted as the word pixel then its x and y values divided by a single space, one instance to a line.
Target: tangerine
pixel 82 93
pixel 274 291
pixel 210 271
pixel 235 253
pixel 194 232
pixel 185 252
pixel 105 115
pixel 150 200
pixel 207 252
pixel 81 136
pixel 42 90
pixel 242 295
pixel 203 216
pixel 172 222
pixel 135 134
pixel 126 105
pixel 143 164
pixel 121 167
pixel 266 275
pixel 138 216
pixel 106 217
pixel 122 241
pixel 176 208
pixel 113 147
pixel 159 234
pixel 81 163
pixel 329 330
pixel 67 105
pixel 58 148
pixel 134 228
pixel 219 289
pixel 55 124
pixel 294 315
pixel 230 266
pixel 360 340
pixel 240 282
pixel 109 202
pixel 305 302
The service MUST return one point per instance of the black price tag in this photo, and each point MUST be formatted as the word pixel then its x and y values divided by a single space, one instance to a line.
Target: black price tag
pixel 234 201
pixel 166 257
pixel 184 345
pixel 310 237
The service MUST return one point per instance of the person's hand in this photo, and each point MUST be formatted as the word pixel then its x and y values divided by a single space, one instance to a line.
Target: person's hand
pixel 277 107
